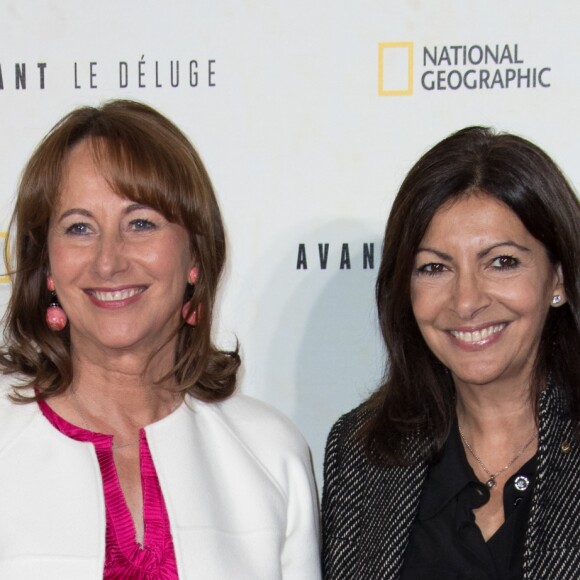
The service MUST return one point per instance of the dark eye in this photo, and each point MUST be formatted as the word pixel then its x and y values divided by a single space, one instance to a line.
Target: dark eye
pixel 431 269
pixel 142 225
pixel 505 262
pixel 78 229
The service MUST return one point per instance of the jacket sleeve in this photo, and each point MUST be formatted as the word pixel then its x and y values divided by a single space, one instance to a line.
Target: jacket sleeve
pixel 279 451
pixel 339 506
pixel 301 552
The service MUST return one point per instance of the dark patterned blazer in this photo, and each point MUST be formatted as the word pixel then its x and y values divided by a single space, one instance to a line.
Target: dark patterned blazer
pixel 368 509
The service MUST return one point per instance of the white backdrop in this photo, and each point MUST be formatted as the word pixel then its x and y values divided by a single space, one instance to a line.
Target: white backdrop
pixel 307 114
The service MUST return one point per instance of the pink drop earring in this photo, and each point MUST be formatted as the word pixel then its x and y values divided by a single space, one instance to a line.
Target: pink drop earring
pixel 190 316
pixel 56 317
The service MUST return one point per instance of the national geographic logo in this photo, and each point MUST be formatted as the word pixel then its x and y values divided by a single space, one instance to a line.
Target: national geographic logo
pixel 456 67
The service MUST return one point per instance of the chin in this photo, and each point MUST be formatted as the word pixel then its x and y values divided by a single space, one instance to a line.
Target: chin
pixel 476 376
pixel 126 341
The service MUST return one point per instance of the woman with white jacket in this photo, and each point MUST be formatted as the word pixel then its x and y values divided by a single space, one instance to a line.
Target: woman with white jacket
pixel 124 451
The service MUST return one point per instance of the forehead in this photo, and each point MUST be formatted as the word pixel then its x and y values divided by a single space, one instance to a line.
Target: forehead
pixel 476 215
pixel 79 159
pixel 81 178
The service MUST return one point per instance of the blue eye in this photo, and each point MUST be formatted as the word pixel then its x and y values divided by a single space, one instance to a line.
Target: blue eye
pixel 505 262
pixel 142 225
pixel 431 269
pixel 78 229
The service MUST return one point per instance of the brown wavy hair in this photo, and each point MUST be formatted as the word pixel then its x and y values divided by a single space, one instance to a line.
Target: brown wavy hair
pixel 147 159
pixel 417 395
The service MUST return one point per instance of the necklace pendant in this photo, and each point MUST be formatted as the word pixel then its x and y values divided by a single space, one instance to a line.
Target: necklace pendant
pixel 490 483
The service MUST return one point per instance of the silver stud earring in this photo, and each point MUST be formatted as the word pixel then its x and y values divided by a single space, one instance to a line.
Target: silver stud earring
pixel 556 300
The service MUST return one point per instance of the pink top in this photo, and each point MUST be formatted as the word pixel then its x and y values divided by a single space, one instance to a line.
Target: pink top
pixel 125 558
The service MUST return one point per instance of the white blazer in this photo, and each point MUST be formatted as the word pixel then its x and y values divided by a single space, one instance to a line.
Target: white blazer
pixel 236 478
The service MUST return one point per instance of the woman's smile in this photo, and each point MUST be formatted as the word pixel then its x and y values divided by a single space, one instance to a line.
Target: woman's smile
pixel 477 335
pixel 115 298
pixel 478 339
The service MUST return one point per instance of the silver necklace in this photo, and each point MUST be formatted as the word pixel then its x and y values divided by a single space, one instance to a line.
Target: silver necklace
pixel 491 482
pixel 75 403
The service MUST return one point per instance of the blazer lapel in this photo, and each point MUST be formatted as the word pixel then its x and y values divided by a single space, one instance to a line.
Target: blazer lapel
pixel 552 547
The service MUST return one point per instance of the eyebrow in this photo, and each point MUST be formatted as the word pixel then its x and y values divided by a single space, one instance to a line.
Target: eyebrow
pixel 80 211
pixel 135 207
pixel 481 254
pixel 74 211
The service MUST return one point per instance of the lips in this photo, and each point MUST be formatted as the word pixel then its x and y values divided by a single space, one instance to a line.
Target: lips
pixel 479 335
pixel 119 295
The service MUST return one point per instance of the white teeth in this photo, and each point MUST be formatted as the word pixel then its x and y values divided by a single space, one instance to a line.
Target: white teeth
pixel 478 335
pixel 117 294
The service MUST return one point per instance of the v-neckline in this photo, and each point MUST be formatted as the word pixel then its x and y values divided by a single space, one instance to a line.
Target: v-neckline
pixel 119 519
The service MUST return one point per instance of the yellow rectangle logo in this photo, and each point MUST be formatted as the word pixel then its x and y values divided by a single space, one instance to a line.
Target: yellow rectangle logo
pixel 395 68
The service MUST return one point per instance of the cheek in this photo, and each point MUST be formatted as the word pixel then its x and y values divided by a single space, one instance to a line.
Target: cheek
pixel 416 299
pixel 528 299
pixel 175 246
pixel 425 317
pixel 61 261
pixel 424 304
pixel 173 260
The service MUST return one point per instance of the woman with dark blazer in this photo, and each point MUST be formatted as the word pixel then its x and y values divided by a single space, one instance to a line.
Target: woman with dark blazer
pixel 465 463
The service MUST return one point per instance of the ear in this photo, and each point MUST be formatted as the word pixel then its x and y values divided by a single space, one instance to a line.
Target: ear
pixel 559 291
pixel 50 283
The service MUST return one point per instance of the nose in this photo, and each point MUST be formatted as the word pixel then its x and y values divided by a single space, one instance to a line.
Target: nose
pixel 110 256
pixel 469 295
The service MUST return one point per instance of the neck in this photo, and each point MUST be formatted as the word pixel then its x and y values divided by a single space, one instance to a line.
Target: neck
pixel 116 396
pixel 498 428
pixel 123 393
pixel 497 408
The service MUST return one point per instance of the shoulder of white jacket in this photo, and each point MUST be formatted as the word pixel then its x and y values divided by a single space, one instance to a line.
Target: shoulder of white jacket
pixel 258 423
pixel 14 417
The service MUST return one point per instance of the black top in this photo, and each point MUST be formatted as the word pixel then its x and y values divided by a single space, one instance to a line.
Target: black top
pixel 446 544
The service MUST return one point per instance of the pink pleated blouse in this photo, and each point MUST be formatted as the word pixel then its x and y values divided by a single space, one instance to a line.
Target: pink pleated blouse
pixel 125 558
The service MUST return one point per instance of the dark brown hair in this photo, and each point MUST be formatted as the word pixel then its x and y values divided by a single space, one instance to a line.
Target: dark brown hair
pixel 146 159
pixel 417 394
